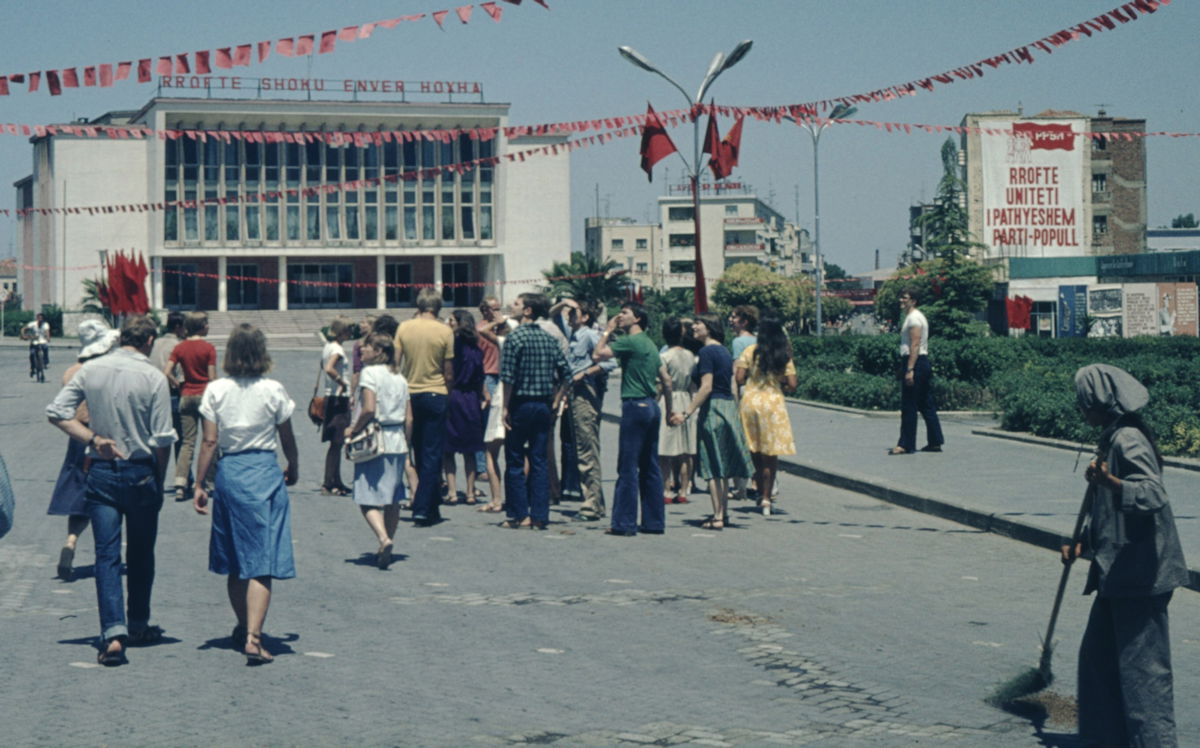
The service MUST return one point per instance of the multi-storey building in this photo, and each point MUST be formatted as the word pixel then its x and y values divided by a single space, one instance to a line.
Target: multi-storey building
pixel 634 246
pixel 285 216
pixel 1055 184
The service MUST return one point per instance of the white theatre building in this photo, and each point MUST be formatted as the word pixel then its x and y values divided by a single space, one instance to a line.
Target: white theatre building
pixel 498 226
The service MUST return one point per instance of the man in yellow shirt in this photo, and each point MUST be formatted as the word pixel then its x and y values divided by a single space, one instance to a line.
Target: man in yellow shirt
pixel 425 346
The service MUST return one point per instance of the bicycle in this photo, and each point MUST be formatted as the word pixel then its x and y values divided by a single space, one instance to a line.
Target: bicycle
pixel 39 353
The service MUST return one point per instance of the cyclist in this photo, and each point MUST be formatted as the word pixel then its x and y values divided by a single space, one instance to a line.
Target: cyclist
pixel 37 333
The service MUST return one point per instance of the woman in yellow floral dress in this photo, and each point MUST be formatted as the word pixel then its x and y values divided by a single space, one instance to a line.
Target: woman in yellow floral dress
pixel 763 370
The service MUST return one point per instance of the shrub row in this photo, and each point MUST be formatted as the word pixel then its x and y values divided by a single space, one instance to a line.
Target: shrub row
pixel 1029 379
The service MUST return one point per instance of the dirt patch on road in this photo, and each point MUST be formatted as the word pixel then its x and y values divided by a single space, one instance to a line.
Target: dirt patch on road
pixel 734 618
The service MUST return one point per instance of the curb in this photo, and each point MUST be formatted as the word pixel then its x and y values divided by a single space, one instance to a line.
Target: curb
pixel 1182 463
pixel 980 520
pixel 887 413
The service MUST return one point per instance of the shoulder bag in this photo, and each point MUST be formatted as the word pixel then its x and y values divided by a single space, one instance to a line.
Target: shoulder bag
pixel 366 445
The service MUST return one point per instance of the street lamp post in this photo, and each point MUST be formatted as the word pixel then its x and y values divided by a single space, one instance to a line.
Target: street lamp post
pixel 720 63
pixel 840 111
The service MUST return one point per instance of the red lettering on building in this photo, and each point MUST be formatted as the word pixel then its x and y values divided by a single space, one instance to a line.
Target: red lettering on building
pixel 1046 137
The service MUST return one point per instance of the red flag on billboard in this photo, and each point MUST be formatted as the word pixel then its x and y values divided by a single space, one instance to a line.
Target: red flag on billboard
pixel 656 143
pixel 727 154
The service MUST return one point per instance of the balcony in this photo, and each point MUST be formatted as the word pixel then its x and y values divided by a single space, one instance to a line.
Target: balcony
pixel 1101 196
pixel 744 248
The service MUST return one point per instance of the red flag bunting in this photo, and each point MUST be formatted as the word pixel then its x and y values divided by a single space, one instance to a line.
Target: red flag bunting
pixel 492 10
pixel 464 12
pixel 439 16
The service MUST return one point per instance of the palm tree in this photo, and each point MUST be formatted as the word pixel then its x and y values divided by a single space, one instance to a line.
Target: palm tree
pixel 93 304
pixel 586 277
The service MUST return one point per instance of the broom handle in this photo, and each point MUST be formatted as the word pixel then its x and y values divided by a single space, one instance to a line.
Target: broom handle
pixel 1062 580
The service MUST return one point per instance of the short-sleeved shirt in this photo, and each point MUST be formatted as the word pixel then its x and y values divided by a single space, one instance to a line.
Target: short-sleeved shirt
pixel 163 345
pixel 331 349
pixel 640 363
pixel 914 319
pixel 391 404
pixel 532 362
pixel 715 360
pixel 423 345
pixel 40 333
pixel 194 356
pixel 491 351
pixel 755 379
pixel 246 411
pixel 741 343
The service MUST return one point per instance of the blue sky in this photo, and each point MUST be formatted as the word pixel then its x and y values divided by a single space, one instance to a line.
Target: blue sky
pixel 562 64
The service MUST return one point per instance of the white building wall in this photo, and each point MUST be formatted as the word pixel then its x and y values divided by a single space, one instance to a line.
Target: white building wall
pixel 535 203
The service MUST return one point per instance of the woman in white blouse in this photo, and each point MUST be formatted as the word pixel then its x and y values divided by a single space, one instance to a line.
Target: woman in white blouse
pixel 379 483
pixel 248 416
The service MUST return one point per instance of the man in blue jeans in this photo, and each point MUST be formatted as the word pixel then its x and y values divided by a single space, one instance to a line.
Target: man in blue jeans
pixel 425 346
pixel 129 440
pixel 637 456
pixel 535 375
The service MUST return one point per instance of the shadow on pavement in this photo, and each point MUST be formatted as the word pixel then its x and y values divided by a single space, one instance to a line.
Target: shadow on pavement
pixel 368 559
pixel 273 644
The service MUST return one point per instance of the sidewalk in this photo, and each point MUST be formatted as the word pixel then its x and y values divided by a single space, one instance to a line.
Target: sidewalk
pixel 1022 490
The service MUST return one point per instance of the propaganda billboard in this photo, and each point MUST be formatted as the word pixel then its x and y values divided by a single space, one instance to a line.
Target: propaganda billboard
pixel 1032 188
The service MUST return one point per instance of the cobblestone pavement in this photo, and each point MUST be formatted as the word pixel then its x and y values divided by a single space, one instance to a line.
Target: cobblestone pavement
pixel 838 621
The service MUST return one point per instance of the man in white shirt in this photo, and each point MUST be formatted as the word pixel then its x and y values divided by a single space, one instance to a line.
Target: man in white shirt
pixel 37 333
pixel 916 376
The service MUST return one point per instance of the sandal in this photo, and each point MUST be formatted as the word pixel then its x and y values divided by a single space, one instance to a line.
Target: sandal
pixel 509 524
pixel 712 523
pixel 259 657
pixel 491 508
pixel 148 635
pixel 383 557
pixel 334 491
pixel 111 658
pixel 897 451
pixel 66 561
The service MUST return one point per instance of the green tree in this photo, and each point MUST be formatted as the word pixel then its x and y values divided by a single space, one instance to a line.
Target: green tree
pixel 586 277
pixel 1182 221
pixel 834 272
pixel 950 294
pixel 92 304
pixel 946 226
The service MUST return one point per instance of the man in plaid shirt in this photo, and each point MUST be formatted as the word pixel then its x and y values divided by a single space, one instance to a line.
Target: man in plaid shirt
pixel 535 375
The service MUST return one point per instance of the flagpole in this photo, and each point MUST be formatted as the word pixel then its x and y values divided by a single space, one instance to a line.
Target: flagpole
pixel 720 63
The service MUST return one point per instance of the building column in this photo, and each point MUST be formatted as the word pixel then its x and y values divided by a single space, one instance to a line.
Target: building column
pixel 380 281
pixel 156 282
pixel 437 272
pixel 283 286
pixel 222 284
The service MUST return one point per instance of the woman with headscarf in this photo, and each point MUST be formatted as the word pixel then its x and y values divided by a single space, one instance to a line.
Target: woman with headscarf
pixel 95 340
pixel 1125 690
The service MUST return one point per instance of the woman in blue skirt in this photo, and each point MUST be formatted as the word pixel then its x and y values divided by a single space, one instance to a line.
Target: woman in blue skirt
pixel 248 417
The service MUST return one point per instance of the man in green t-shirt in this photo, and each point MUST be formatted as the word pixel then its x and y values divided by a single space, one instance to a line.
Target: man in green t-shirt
pixel 637 456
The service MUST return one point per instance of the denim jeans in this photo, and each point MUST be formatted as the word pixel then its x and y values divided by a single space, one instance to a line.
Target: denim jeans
pixel 116 490
pixel 919 399
pixel 527 496
pixel 637 468
pixel 429 437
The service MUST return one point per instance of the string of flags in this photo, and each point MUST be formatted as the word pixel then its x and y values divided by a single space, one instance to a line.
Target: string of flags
pixel 203 62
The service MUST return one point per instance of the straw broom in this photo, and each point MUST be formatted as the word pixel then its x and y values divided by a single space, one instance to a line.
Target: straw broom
pixel 1038 678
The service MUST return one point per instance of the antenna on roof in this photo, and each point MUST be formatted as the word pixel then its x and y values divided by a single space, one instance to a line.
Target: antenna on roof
pixel 1101 112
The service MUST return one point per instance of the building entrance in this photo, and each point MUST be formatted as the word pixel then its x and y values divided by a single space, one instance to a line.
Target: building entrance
pixel 320 285
pixel 241 293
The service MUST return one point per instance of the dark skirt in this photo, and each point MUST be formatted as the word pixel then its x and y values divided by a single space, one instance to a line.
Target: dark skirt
pixel 464 423
pixel 71 486
pixel 337 417
pixel 251 525
pixel 720 441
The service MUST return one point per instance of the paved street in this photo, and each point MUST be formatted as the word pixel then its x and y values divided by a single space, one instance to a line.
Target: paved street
pixel 841 620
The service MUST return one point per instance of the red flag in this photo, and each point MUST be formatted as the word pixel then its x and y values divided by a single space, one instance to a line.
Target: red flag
pixel 712 143
pixel 116 297
pixel 439 16
pixel 202 66
pixel 493 10
pixel 143 301
pixel 464 12
pixel 328 42
pixel 727 158
pixel 656 143
pixel 143 70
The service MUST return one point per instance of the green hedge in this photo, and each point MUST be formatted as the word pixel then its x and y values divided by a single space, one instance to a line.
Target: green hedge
pixel 1030 380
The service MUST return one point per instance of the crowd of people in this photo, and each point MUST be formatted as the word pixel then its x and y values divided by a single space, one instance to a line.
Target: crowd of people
pixel 424 391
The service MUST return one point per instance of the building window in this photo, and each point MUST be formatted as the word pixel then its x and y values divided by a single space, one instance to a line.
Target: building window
pixel 681 240
pixel 642 244
pixel 642 267
pixel 398 277
pixel 683 266
pixel 680 214
pixel 1099 143
pixel 317 285
pixel 459 295
pixel 617 244
pixel 179 287
pixel 1099 225
pixel 1099 183
pixel 731 210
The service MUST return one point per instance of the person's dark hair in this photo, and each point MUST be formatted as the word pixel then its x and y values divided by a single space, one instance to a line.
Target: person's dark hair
pixel 639 313
pixel 137 331
pixel 716 330
pixel 913 292
pixel 174 320
pixel 386 345
pixel 588 308
pixel 689 336
pixel 194 323
pixel 246 352
pixel 537 303
pixel 672 331
pixel 429 299
pixel 774 349
pixel 748 315
pixel 385 324
pixel 464 327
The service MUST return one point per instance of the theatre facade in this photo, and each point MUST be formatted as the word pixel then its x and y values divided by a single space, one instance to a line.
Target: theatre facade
pixel 278 203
